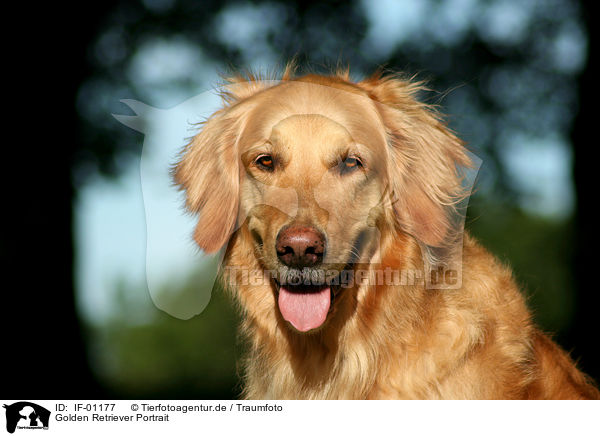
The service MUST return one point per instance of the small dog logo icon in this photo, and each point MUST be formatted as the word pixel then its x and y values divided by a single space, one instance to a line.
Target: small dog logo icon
pixel 24 414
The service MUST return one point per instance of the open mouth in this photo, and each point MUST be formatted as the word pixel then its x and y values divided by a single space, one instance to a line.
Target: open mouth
pixel 306 307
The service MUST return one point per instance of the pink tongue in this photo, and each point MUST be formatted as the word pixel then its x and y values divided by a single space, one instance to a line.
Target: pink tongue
pixel 304 310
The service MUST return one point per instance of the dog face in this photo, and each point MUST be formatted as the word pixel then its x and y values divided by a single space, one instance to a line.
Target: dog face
pixel 336 179
pixel 333 172
pixel 318 171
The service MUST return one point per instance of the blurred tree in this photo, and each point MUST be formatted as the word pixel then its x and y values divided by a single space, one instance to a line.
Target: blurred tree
pixel 582 334
pixel 43 339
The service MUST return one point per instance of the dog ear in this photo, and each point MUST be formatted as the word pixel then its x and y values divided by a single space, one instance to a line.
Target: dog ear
pixel 209 173
pixel 426 159
pixel 209 170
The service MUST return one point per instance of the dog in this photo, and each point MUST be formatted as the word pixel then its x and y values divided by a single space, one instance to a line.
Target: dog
pixel 322 191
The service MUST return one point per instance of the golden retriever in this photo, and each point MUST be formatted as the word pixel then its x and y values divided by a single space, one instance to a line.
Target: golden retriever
pixel 338 204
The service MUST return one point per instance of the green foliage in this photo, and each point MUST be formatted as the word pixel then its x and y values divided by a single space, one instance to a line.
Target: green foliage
pixel 538 250
pixel 169 357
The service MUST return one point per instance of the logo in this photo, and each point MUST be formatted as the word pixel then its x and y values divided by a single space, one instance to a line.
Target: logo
pixel 26 415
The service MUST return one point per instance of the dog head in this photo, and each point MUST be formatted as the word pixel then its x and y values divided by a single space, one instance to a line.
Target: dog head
pixel 320 173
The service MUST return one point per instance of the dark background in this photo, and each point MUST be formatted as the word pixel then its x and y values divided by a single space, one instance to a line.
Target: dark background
pixel 489 85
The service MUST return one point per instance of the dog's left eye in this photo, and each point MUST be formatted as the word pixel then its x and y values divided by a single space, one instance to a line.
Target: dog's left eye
pixel 265 162
pixel 350 164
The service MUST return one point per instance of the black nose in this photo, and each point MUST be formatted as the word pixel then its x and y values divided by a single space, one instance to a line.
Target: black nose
pixel 300 246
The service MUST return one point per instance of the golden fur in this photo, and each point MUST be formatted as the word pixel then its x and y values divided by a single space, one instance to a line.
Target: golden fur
pixel 380 340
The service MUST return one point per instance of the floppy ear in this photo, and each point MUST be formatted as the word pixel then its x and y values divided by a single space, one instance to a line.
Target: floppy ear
pixel 425 162
pixel 209 173
pixel 209 170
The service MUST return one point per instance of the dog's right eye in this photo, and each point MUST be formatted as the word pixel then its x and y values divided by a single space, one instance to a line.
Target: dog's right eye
pixel 350 164
pixel 265 162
